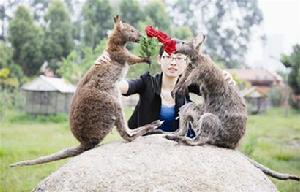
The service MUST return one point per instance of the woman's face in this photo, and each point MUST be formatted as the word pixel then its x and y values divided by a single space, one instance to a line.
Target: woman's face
pixel 172 65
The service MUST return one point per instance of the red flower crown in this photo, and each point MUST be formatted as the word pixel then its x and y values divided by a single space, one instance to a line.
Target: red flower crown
pixel 168 43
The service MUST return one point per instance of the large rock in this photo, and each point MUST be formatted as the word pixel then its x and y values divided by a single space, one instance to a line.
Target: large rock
pixel 153 163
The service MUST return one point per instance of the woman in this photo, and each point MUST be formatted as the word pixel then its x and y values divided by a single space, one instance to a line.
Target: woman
pixel 155 101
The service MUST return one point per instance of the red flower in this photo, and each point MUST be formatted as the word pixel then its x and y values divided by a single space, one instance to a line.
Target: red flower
pixel 150 31
pixel 169 44
pixel 162 37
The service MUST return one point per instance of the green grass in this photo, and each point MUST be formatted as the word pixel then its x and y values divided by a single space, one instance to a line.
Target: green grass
pixel 271 139
pixel 274 140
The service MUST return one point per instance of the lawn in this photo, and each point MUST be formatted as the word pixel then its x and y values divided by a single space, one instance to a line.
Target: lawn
pixel 271 139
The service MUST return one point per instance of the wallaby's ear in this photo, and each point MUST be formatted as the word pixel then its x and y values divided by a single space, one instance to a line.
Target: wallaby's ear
pixel 117 21
pixel 198 41
pixel 117 18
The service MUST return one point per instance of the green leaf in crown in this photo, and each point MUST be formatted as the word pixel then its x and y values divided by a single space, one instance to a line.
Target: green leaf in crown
pixel 148 47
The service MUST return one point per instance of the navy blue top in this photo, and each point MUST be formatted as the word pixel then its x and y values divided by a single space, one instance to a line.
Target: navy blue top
pixel 149 106
pixel 167 114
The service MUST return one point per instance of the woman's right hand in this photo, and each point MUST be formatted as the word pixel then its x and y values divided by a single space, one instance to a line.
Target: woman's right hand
pixel 123 86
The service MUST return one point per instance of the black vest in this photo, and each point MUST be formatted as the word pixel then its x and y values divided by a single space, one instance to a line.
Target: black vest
pixel 148 108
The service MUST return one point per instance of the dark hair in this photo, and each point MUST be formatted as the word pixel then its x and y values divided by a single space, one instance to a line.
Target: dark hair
pixel 161 51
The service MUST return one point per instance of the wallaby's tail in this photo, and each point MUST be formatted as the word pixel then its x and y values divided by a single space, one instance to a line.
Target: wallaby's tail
pixel 69 152
pixel 274 174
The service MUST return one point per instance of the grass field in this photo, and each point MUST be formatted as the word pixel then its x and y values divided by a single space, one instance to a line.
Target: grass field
pixel 271 139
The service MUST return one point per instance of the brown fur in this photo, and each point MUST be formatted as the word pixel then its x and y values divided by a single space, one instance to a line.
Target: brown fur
pixel 96 106
pixel 221 120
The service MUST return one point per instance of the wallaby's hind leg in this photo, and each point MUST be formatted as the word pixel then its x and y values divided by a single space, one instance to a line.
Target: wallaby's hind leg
pixel 207 131
pixel 187 115
pixel 209 126
pixel 91 121
pixel 193 142
pixel 131 134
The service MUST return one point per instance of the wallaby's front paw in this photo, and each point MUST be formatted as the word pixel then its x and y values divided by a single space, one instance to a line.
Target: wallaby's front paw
pixel 172 137
pixel 156 131
pixel 173 93
pixel 147 60
pixel 157 123
pixel 154 125
pixel 181 90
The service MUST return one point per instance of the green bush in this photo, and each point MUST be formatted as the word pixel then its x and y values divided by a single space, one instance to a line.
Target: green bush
pixel 294 101
pixel 10 99
pixel 276 96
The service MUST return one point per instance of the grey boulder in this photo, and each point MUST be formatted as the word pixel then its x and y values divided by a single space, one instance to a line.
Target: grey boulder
pixel 153 163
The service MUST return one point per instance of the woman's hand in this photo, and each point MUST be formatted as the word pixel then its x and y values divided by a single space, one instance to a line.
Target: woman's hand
pixel 123 86
pixel 228 78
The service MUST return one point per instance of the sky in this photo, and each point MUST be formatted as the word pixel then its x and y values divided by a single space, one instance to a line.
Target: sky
pixel 281 26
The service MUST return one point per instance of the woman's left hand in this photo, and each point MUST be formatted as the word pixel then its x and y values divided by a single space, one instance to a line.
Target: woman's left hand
pixel 228 78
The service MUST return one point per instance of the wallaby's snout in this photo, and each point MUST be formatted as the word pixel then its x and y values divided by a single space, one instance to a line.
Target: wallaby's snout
pixel 183 46
pixel 130 33
pixel 136 36
pixel 139 37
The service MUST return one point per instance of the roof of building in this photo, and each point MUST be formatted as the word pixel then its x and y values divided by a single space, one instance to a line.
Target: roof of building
pixel 256 91
pixel 43 83
pixel 255 74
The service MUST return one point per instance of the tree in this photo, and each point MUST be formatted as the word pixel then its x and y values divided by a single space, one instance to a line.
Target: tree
pixel 228 25
pixel 97 21
pixel 39 8
pixel 58 41
pixel 75 65
pixel 182 32
pixel 156 11
pixel 26 39
pixel 5 55
pixel 292 61
pixel 183 13
pixel 6 8
pixel 131 12
pixel 10 73
pixel 2 19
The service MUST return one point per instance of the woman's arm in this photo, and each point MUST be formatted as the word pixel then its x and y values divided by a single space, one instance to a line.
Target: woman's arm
pixel 130 87
pixel 123 86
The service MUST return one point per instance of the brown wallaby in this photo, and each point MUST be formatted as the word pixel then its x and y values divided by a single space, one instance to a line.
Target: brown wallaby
pixel 221 119
pixel 96 106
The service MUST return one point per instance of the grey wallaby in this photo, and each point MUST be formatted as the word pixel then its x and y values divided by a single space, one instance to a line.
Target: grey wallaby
pixel 96 106
pixel 221 119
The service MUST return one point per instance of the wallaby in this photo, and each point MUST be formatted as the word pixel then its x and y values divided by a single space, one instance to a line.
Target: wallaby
pixel 96 106
pixel 221 119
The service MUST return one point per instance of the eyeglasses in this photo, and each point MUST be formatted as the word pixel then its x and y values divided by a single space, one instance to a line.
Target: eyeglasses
pixel 168 58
